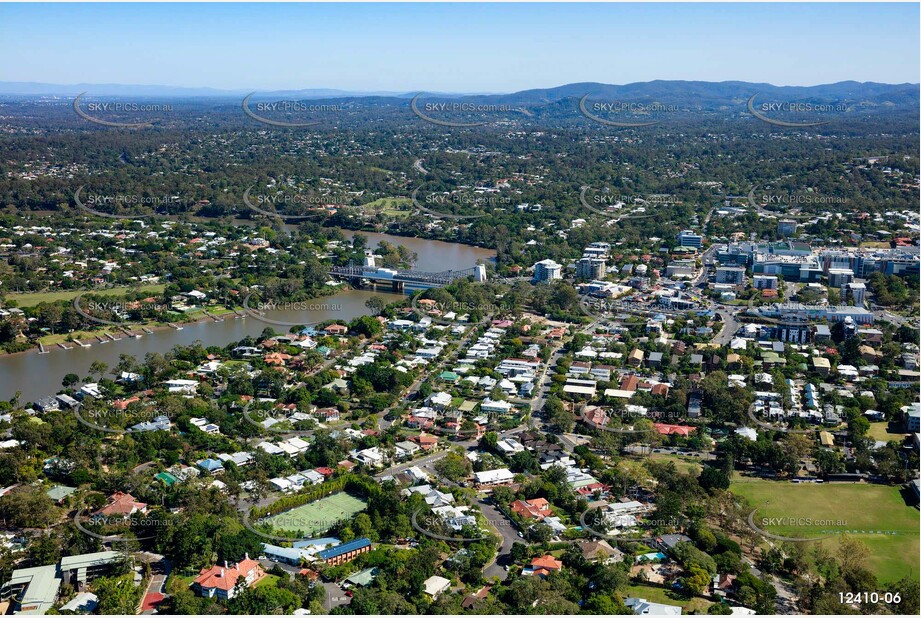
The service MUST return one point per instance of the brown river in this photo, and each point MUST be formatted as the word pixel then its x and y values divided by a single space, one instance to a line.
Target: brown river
pixel 37 375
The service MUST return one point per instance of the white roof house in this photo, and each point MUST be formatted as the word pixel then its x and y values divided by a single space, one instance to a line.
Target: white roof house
pixel 489 405
pixel 435 585
pixel 493 477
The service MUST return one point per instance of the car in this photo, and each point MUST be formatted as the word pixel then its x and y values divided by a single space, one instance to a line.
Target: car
pixel 348 593
pixel 520 535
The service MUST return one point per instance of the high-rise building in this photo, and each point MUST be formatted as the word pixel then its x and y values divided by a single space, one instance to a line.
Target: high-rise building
pixel 547 270
pixel 856 291
pixel 590 268
pixel 840 277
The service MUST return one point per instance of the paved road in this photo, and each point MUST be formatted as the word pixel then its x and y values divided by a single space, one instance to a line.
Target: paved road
pixel 409 464
pixel 730 327
pixel 509 533
pixel 382 423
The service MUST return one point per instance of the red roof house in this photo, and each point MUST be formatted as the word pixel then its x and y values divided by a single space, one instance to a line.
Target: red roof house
pixel 221 581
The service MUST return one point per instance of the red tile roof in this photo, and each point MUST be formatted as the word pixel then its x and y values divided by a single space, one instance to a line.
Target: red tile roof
pixel 667 430
pixel 225 577
pixel 546 562
pixel 121 503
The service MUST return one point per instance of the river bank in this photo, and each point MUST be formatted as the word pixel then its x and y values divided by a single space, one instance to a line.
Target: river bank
pixel 38 375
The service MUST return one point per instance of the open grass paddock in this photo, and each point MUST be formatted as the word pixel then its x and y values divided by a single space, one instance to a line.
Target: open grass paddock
pixel 877 515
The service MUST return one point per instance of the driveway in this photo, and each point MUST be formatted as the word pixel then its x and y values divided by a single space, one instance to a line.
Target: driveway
pixel 334 596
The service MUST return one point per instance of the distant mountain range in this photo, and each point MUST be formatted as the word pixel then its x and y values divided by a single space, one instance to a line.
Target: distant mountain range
pixel 705 94
pixel 131 90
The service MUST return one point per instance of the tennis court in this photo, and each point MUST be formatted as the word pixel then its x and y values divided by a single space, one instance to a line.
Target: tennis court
pixel 318 516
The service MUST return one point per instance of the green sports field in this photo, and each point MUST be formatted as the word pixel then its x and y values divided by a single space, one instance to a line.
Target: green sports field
pixel 317 517
pixel 875 514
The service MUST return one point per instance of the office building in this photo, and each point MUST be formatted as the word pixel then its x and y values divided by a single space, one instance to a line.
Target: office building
pixel 730 274
pixel 687 238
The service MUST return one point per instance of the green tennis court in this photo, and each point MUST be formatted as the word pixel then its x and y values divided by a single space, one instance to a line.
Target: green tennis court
pixel 318 516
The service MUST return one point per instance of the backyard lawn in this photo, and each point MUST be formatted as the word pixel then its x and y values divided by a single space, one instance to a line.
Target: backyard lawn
pixel 656 594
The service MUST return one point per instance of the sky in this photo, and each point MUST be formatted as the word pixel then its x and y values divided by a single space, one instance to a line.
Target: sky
pixel 456 47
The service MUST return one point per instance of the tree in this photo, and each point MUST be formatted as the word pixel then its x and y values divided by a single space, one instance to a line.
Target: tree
pixel 376 304
pixel 852 555
pixel 859 426
pixel 28 507
pixel 713 478
pixel 117 595
pixel 454 467
pixel 519 552
pixel 69 380
pixel 560 419
pixel 489 442
pixel 98 368
pixel 697 580
pixel 361 525
pixel 540 533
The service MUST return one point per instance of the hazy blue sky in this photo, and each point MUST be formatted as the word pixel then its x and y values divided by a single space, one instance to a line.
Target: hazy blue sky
pixel 456 47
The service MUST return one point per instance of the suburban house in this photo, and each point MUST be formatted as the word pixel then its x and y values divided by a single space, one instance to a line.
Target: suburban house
pixel 435 585
pixel 494 477
pixel 537 508
pixel 543 566
pixel 221 581
pixel 121 505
